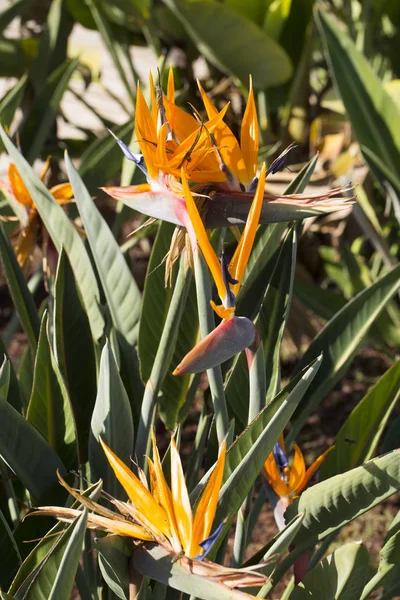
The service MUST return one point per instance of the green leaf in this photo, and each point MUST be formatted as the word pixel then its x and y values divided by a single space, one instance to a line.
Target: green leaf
pixel 155 562
pixel 49 409
pixel 5 372
pixel 245 458
pixel 12 387
pixel 11 558
pixel 63 233
pixel 114 554
pixel 365 425
pixel 122 294
pixel 73 347
pixel 372 111
pixel 270 323
pixel 223 37
pixel 338 500
pixel 253 10
pixel 37 127
pixel 11 101
pixel 27 453
pixel 64 580
pixel 340 340
pixel 342 575
pixel 112 421
pixel 22 298
pixel 44 548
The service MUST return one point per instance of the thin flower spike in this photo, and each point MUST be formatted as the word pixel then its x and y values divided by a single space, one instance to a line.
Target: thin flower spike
pixel 227 287
pixel 249 135
pixel 181 501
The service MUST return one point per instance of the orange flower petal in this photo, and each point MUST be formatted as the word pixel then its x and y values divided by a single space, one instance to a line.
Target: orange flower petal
pixel 240 259
pixel 182 124
pixel 274 476
pixel 153 100
pixel 297 469
pixel 171 86
pixel 137 492
pixel 18 187
pixel 205 511
pixel 312 469
pixel 249 135
pixel 62 193
pixel 146 133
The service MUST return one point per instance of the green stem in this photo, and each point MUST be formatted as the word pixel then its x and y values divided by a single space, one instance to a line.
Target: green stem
pixel 162 362
pixel 257 393
pixel 207 324
pixel 11 497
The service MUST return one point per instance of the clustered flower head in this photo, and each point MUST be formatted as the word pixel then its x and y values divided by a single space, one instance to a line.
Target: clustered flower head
pixel 161 513
pixel 289 479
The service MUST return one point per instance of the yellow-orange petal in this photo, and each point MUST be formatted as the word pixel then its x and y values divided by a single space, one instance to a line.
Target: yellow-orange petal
pixel 203 241
pixel 171 86
pixel 249 135
pixel 146 133
pixel 297 469
pixel 137 492
pixel 180 499
pixel 165 496
pixel 161 153
pixel 311 470
pixel 182 124
pixel 18 187
pixel 228 145
pixel 240 259
pixel 221 311
pixel 153 100
pixel 26 241
pixel 205 511
pixel 62 193
pixel 274 476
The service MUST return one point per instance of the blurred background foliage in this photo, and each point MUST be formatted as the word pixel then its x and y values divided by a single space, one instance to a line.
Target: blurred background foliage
pixel 327 77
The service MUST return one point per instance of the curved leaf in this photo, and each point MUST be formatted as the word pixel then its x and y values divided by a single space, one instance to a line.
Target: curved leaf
pixel 334 502
pixel 63 233
pixel 342 575
pixel 112 420
pixel 223 36
pixel 364 426
pixel 340 340
pixel 122 294
pixel 73 347
pixel 49 409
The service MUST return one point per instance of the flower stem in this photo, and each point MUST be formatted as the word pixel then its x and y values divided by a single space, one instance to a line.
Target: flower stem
pixel 207 324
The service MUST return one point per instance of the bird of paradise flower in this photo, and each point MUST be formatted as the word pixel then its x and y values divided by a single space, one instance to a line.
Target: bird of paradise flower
pixel 162 514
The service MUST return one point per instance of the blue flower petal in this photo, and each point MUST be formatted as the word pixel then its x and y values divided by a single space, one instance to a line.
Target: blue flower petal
pixel 138 159
pixel 280 457
pixel 208 543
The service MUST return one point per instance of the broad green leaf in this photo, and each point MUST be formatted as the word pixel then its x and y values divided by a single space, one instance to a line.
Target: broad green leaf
pixel 10 556
pixel 47 544
pixel 112 421
pixel 13 391
pixel 223 37
pixel 22 297
pixel 63 233
pixel 388 569
pixel 342 575
pixel 114 554
pixel 340 340
pixel 26 452
pixel 322 302
pixel 156 301
pixel 253 10
pixel 365 425
pixel 245 458
pixel 73 347
pixel 49 409
pixel 338 500
pixel 372 111
pixel 122 294
pixel 155 562
pixel 67 566
pixel 37 127
pixel 102 160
